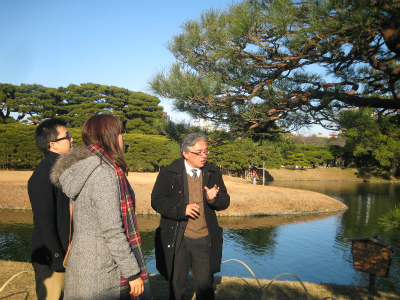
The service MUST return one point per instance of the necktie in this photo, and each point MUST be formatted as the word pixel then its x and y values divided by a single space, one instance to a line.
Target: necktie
pixel 194 171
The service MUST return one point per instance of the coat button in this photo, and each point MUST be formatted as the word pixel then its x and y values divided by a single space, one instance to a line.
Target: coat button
pixel 56 254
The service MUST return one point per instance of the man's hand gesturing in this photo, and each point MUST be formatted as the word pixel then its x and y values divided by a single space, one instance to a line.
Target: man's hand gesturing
pixel 212 193
pixel 193 210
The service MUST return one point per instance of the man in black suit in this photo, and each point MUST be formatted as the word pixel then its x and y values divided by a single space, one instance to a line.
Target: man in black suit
pixel 50 206
pixel 186 194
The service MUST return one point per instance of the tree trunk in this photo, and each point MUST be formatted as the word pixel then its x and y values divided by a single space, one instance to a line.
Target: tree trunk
pixel 393 168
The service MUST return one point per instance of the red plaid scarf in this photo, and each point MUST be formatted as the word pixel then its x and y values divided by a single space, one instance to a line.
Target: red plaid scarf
pixel 127 200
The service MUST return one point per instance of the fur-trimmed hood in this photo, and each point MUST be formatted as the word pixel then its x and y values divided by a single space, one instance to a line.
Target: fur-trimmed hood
pixel 72 170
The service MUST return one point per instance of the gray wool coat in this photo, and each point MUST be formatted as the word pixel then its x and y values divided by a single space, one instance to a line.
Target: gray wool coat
pixel 100 252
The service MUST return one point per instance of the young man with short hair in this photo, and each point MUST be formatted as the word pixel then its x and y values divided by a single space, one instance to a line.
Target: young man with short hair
pixel 50 207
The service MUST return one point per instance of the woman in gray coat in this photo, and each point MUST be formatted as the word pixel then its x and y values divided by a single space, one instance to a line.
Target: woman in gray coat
pixel 105 259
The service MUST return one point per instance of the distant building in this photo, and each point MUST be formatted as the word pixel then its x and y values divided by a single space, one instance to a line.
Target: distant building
pixel 206 124
pixel 165 116
pixel 331 134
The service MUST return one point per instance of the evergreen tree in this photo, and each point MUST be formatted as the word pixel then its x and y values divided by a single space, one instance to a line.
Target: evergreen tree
pixel 138 111
pixel 296 62
pixel 18 149
pixel 8 103
pixel 32 103
pixel 372 138
pixel 149 152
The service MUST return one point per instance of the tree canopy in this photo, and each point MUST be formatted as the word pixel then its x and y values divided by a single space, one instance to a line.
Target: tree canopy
pixel 138 111
pixel 372 135
pixel 294 63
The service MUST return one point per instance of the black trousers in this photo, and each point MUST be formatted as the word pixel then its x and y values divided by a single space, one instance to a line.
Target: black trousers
pixel 193 255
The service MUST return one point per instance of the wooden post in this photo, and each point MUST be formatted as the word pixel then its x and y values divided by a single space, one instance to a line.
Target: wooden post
pixel 372 256
pixel 263 172
pixel 371 288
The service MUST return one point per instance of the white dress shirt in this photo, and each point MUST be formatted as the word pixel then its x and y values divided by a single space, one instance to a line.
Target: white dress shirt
pixel 189 170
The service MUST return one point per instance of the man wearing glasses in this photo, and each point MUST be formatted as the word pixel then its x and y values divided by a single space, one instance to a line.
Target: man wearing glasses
pixel 186 194
pixel 50 207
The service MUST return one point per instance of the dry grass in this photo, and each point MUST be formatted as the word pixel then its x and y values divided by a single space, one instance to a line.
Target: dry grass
pixel 244 288
pixel 246 199
pixel 232 288
pixel 13 187
pixel 337 174
pixel 267 200
pixel 22 286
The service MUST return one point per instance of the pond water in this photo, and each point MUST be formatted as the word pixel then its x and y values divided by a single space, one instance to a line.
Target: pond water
pixel 311 247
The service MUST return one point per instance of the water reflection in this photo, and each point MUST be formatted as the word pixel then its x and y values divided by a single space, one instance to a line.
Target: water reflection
pixel 257 222
pixel 302 248
pixel 254 241
pixel 367 202
pixel 15 235
pixel 309 246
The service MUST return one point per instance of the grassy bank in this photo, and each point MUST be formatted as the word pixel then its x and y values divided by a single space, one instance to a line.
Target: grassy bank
pixel 329 174
pixel 232 288
pixel 246 199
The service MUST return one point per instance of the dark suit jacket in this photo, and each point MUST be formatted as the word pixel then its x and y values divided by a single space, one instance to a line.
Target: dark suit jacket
pixel 169 198
pixel 51 219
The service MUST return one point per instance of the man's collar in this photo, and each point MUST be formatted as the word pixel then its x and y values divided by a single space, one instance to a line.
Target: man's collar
pixel 52 154
pixel 189 168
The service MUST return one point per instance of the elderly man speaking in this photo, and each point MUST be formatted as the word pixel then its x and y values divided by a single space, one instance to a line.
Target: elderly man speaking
pixel 186 194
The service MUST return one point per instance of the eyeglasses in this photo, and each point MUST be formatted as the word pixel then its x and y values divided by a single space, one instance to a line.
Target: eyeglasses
pixel 205 152
pixel 68 136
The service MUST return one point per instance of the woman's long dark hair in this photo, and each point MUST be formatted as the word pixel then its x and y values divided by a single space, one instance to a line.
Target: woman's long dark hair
pixel 103 130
